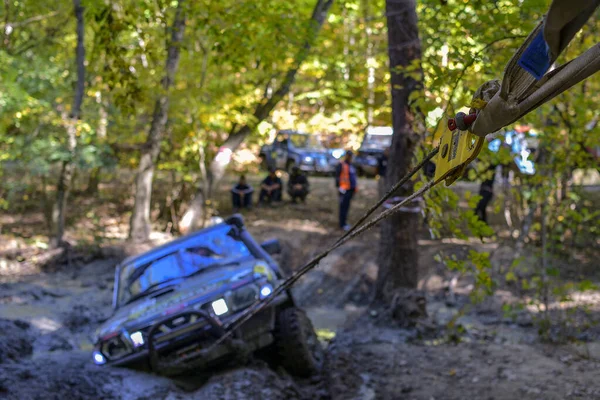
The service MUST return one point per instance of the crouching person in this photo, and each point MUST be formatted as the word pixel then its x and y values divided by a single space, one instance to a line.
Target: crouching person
pixel 298 186
pixel 270 188
pixel 241 195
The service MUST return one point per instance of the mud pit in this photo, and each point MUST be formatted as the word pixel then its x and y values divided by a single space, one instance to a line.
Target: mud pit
pixel 47 318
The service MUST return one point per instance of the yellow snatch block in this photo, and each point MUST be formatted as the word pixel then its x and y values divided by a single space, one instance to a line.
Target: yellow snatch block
pixel 457 150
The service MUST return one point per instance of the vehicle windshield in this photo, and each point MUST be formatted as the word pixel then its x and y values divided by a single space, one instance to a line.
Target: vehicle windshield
pixel 216 246
pixel 306 141
pixel 377 141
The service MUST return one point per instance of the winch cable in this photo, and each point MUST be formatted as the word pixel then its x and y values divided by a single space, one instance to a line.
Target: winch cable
pixel 392 190
pixel 356 230
pixel 498 107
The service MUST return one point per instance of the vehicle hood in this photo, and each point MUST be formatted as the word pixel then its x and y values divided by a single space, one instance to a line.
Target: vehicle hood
pixel 194 290
pixel 312 152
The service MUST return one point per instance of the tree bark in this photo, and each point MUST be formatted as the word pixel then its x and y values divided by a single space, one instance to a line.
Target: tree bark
pixel 140 218
pixel 93 182
pixel 370 63
pixel 94 178
pixel 68 168
pixel 189 221
pixel 7 27
pixel 398 254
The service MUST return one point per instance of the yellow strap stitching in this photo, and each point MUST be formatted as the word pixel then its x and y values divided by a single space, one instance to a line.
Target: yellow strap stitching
pixel 478 104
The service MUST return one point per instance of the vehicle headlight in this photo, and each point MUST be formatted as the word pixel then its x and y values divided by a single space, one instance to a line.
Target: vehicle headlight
pixel 99 359
pixel 137 338
pixel 337 153
pixel 266 290
pixel 308 159
pixel 219 307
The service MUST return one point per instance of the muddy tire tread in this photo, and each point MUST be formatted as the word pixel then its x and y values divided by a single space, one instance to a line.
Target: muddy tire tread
pixel 295 356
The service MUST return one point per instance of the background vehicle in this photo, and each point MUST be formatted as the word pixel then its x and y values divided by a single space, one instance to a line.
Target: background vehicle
pixel 337 154
pixel 291 148
pixel 172 302
pixel 376 140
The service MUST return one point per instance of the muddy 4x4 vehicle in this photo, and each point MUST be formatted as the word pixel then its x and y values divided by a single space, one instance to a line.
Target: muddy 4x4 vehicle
pixel 172 302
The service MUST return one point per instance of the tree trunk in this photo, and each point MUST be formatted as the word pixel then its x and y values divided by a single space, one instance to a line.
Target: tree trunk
pixel 93 182
pixel 7 27
pixel 140 218
pixel 196 214
pixel 398 253
pixel 94 179
pixel 68 168
pixel 370 62
pixel 262 111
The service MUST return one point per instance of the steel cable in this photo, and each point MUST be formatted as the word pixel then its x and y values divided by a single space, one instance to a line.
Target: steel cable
pixel 353 232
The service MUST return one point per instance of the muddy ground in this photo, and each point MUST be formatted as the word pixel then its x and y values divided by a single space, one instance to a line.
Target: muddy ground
pixel 50 305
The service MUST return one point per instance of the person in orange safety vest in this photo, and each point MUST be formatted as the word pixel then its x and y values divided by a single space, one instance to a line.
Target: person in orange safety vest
pixel 345 181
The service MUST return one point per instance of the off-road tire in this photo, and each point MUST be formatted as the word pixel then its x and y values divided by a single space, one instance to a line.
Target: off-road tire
pixel 297 344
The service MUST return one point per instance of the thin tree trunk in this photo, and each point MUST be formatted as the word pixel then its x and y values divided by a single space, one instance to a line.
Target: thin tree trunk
pixel 196 215
pixel 370 62
pixel 398 253
pixel 140 218
pixel 346 50
pixel 93 182
pixel 103 123
pixel 47 204
pixel 544 272
pixel 262 111
pixel 7 27
pixel 94 179
pixel 68 167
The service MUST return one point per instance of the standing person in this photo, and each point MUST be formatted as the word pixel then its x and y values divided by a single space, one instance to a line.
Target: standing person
pixel 241 195
pixel 486 191
pixel 345 181
pixel 382 163
pixel 297 185
pixel 270 188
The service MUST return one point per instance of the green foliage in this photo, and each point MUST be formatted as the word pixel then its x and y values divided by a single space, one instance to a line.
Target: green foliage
pixel 234 56
pixel 459 56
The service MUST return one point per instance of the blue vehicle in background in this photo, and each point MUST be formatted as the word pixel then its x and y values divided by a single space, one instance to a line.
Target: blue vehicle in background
pixel 171 304
pixel 375 141
pixel 297 149
pixel 521 145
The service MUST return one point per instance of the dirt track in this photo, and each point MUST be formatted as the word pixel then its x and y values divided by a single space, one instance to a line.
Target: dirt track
pixel 47 318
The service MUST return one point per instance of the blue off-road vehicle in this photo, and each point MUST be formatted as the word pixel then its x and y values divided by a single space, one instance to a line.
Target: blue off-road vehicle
pixel 296 149
pixel 172 303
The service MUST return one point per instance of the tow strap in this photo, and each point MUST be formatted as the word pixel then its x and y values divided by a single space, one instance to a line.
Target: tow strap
pixel 530 78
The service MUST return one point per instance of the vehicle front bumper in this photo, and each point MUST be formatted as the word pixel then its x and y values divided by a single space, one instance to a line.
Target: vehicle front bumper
pixel 190 347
